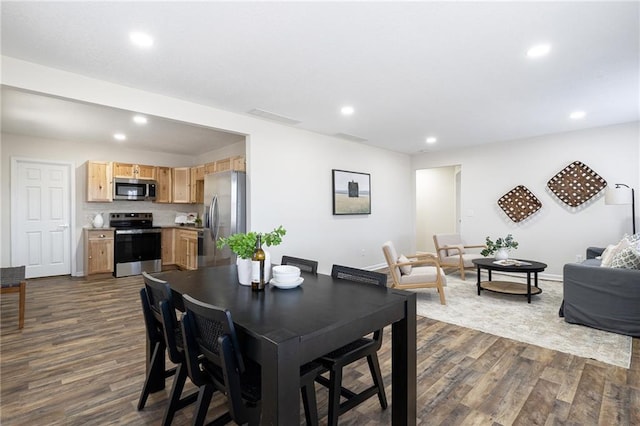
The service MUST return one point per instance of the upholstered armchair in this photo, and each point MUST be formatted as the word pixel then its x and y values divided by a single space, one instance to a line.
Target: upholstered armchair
pixel 414 271
pixel 454 253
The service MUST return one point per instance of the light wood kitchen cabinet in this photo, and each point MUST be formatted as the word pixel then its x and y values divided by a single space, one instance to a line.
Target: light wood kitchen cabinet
pixel 164 185
pixel 210 168
pixel 236 163
pixel 168 247
pixel 186 249
pixel 181 184
pixel 99 181
pixel 197 184
pixel 134 171
pixel 99 249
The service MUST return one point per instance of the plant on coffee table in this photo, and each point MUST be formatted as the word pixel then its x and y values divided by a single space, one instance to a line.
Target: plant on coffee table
pixel 501 243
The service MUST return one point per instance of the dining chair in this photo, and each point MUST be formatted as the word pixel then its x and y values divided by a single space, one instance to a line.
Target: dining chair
pixel 12 281
pixel 305 265
pixel 165 334
pixel 365 347
pixel 416 271
pixel 452 252
pixel 215 363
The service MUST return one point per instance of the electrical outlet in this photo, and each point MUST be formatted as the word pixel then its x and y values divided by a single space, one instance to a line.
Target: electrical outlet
pixel 362 252
pixel 579 258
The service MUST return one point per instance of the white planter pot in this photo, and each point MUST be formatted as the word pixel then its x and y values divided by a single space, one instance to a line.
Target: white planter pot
pixel 244 271
pixel 502 254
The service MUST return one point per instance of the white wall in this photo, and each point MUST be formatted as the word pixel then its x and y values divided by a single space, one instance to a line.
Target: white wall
pixel 435 205
pixel 555 234
pixel 289 171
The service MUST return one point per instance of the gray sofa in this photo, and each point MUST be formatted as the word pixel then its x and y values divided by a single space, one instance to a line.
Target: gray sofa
pixel 603 298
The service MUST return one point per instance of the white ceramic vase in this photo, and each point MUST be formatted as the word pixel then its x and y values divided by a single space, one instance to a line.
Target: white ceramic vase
pixel 98 221
pixel 502 254
pixel 244 271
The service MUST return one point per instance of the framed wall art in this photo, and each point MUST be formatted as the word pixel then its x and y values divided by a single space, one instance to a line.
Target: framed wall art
pixel 351 192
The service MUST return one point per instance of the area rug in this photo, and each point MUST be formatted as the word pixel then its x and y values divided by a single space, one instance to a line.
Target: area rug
pixel 512 317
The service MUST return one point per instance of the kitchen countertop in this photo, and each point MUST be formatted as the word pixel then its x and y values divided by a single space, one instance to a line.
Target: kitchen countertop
pixel 187 227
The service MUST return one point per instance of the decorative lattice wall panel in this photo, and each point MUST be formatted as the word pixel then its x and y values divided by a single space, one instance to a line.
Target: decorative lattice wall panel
pixel 576 184
pixel 519 203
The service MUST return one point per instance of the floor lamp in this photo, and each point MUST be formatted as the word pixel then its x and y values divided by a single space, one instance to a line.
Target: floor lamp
pixel 622 194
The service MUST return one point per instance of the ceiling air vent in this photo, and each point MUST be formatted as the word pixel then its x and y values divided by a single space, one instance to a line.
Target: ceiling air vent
pixel 350 137
pixel 275 117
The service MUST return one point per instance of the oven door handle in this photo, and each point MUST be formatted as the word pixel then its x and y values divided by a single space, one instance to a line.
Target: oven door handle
pixel 138 231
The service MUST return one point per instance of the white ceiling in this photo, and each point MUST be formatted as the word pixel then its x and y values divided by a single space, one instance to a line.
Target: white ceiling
pixel 454 70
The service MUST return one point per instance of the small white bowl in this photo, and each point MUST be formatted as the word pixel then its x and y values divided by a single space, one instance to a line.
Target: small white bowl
pixel 285 273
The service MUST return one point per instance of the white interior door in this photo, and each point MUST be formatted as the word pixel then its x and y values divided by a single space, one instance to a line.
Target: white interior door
pixel 41 200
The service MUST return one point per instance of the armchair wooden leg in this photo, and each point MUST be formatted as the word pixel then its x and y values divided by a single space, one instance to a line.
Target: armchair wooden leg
pixel 441 293
pixel 462 270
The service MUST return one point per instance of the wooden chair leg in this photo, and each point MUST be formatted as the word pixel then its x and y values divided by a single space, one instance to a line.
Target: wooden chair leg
pixel 202 406
pixel 174 396
pixel 21 308
pixel 158 350
pixel 441 293
pixel 462 269
pixel 310 404
pixel 376 374
pixel 335 379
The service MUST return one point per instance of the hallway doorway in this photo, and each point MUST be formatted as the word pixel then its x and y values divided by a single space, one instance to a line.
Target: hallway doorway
pixel 437 204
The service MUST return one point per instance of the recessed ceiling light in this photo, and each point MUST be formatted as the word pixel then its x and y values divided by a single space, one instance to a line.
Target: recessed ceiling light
pixel 577 115
pixel 140 119
pixel 538 50
pixel 119 136
pixel 431 139
pixel 141 39
pixel 347 110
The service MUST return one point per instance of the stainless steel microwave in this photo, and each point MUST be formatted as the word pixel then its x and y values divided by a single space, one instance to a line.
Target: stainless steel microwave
pixel 134 189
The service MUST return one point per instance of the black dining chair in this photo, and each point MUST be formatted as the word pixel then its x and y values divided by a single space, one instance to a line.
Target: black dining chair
pixel 215 363
pixel 365 347
pixel 164 334
pixel 305 265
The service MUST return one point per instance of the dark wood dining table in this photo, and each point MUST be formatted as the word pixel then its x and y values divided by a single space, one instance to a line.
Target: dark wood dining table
pixel 283 329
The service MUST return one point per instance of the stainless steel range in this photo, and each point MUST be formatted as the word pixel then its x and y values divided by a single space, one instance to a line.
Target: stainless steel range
pixel 138 244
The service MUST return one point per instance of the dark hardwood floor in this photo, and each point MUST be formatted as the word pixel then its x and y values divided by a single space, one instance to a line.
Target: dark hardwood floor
pixel 80 360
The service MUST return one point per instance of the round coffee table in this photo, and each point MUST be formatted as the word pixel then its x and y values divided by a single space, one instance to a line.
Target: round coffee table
pixel 520 266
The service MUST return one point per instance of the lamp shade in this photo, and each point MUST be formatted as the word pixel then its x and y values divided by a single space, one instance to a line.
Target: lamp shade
pixel 618 195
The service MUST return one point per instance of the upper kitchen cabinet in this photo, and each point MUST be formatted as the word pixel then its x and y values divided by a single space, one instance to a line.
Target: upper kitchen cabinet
pixel 197 184
pixel 99 181
pixel 164 185
pixel 181 184
pixel 236 163
pixel 134 171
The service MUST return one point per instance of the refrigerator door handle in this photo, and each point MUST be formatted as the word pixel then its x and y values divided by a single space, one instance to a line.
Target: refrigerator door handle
pixel 214 219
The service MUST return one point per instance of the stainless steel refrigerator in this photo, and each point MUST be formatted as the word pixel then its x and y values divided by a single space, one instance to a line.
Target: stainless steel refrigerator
pixel 224 213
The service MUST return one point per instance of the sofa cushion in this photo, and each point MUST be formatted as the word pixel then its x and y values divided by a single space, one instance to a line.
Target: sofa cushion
pixel 611 252
pixel 633 238
pixel 629 258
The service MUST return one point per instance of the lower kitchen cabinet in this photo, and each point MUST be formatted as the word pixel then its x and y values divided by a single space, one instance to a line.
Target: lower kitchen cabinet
pixel 168 247
pixel 98 249
pixel 187 249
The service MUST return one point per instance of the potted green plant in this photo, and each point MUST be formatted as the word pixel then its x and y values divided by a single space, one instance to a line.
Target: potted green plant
pixel 500 247
pixel 243 245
